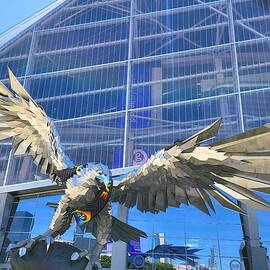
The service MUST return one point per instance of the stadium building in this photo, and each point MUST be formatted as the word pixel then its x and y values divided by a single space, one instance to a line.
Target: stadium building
pixel 124 78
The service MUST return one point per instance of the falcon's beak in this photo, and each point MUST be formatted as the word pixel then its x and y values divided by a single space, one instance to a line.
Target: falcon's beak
pixel 104 179
pixel 101 178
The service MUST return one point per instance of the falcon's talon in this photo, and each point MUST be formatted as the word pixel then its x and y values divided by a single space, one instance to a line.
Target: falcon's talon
pixel 30 243
pixel 49 240
pixel 78 255
pixel 75 256
pixel 22 251
pixel 89 266
pixel 9 248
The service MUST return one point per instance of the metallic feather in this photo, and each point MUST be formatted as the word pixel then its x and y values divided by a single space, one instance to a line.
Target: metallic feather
pixel 188 173
pixel 32 131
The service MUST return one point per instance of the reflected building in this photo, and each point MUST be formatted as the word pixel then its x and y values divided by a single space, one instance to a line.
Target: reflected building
pixel 212 263
pixel 124 78
pixel 160 239
pixel 24 224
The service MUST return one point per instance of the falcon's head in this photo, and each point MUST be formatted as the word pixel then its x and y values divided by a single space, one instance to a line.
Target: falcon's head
pixel 103 174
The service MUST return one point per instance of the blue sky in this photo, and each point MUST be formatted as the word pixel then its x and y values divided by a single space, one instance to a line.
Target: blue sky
pixel 15 11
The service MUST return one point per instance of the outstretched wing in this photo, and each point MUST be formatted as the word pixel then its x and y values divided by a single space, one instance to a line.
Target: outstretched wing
pixel 191 174
pixel 32 131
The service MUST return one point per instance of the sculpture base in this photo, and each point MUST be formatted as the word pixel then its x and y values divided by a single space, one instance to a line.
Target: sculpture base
pixel 57 258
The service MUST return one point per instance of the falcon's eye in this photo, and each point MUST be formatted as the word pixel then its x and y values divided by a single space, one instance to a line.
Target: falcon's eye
pixel 100 172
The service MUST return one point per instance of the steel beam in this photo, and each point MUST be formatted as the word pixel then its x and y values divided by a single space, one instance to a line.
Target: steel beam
pixel 79 48
pixel 84 93
pixel 31 186
pixel 119 248
pixel 95 4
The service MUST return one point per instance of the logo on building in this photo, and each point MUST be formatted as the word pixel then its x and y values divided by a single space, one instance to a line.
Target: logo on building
pixel 139 157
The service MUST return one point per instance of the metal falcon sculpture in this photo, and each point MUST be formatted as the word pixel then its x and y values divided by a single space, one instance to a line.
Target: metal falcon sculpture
pixel 184 172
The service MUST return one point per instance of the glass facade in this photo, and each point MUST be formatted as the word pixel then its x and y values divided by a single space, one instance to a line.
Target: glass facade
pixel 124 78
pixel 216 238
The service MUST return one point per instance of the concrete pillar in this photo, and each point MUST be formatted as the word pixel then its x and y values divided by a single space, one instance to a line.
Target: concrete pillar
pixel 255 253
pixel 219 69
pixel 119 248
pixel 156 95
pixel 6 201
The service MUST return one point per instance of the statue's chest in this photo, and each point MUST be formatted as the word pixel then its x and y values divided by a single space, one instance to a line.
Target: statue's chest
pixel 92 209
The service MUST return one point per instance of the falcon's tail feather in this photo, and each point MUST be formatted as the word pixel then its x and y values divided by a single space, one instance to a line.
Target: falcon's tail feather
pixel 124 232
pixel 120 230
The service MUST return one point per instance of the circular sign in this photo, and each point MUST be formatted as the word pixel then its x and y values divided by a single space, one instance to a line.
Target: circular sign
pixel 139 157
pixel 138 261
pixel 235 265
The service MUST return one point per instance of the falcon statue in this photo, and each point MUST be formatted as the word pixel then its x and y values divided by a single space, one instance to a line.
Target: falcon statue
pixel 184 172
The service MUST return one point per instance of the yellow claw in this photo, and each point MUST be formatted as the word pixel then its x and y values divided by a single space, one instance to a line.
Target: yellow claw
pixel 78 169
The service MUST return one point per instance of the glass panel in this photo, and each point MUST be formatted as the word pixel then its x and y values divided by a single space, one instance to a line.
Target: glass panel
pixel 15 56
pixel 153 5
pixel 72 84
pixel 90 56
pixel 254 65
pixel 84 58
pixel 5 149
pixel 228 218
pixel 22 224
pixel 184 29
pixel 22 208
pixel 251 19
pixel 20 47
pixel 83 13
pixel 80 94
pixel 18 66
pixel 81 2
pixel 153 129
pixel 86 104
pixel 13 237
pixel 256 110
pixel 185 238
pixel 80 38
pixel 181 78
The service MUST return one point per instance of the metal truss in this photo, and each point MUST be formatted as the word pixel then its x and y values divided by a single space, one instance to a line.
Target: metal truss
pixel 32 186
